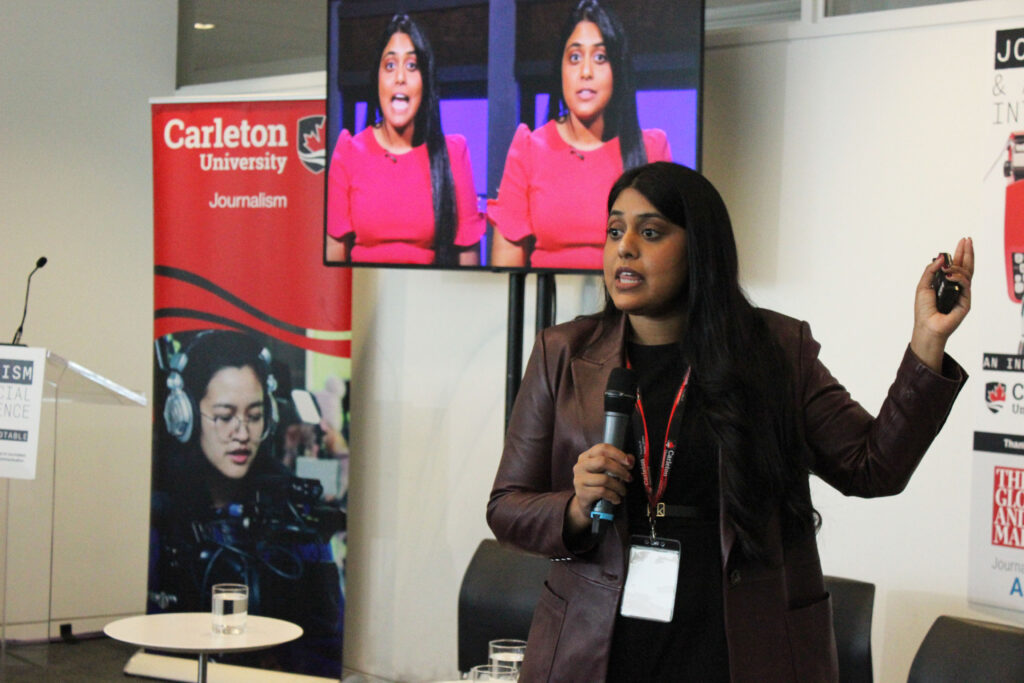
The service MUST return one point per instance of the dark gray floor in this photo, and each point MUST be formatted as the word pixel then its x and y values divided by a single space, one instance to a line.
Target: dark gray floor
pixel 89 659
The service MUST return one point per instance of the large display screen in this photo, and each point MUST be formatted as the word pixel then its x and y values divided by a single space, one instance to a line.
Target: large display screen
pixel 486 135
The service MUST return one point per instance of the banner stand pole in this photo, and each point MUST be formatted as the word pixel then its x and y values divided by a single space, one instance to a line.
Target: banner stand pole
pixel 514 348
pixel 544 318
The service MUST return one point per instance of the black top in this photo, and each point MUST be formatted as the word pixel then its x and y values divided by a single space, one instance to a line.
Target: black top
pixel 692 647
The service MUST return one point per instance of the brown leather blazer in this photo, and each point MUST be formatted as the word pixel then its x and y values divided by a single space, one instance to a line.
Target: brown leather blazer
pixel 778 617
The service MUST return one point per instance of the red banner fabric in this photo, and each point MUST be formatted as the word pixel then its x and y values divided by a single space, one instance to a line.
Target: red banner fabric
pixel 253 347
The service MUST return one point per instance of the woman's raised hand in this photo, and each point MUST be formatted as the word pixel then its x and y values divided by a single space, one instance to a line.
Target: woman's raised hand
pixel 932 328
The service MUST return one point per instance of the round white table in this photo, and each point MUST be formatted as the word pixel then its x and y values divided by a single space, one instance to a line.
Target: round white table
pixel 192 632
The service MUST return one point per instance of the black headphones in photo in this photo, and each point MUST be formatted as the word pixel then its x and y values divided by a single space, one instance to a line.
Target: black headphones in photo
pixel 181 408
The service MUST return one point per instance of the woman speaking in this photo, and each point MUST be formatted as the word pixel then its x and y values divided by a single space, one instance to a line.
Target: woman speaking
pixel 549 207
pixel 401 191
pixel 734 410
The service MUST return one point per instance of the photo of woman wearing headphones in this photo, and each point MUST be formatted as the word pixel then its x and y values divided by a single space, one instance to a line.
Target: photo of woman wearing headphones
pixel 225 508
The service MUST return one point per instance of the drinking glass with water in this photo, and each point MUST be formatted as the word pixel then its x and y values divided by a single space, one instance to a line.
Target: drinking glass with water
pixel 230 607
pixel 493 672
pixel 507 652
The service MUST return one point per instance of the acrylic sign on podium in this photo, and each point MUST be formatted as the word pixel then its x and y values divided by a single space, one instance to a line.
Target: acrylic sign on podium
pixel 22 375
pixel 28 377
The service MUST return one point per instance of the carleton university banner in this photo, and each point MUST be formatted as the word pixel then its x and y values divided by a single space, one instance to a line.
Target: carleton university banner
pixel 997 515
pixel 252 339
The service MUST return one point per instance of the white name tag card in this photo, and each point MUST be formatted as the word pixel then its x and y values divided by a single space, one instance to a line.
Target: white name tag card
pixel 650 591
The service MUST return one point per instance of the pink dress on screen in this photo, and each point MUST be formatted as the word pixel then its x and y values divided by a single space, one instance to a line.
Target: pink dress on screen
pixel 558 194
pixel 385 199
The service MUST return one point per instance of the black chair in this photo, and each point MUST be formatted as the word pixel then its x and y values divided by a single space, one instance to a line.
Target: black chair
pixel 499 590
pixel 853 604
pixel 956 650
pixel 501 587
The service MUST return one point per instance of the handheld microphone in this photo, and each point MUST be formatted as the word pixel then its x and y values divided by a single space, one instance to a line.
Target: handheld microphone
pixel 40 262
pixel 619 399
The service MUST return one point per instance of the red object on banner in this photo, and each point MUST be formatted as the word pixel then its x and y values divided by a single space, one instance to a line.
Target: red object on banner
pixel 238 217
pixel 1008 507
pixel 1013 231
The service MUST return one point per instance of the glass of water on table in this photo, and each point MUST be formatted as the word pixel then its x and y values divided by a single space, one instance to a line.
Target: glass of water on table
pixel 506 652
pixel 230 607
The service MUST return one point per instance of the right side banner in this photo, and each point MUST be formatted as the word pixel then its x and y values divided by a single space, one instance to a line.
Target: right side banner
pixel 996 572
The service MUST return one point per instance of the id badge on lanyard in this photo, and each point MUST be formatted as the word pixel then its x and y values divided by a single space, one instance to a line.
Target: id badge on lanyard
pixel 653 570
pixel 650 591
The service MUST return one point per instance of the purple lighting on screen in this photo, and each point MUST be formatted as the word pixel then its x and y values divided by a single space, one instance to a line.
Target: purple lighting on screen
pixel 360 121
pixel 468 118
pixel 675 112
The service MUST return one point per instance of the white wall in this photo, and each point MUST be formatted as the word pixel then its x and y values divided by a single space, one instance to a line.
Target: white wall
pixel 850 151
pixel 75 186
pixel 428 413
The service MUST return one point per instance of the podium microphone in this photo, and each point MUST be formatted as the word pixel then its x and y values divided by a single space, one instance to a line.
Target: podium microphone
pixel 619 399
pixel 17 335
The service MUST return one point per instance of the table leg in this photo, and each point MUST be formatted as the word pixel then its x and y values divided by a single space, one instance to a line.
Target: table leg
pixel 202 667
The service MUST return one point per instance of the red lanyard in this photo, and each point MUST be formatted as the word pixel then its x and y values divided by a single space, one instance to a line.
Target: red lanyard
pixel 669 448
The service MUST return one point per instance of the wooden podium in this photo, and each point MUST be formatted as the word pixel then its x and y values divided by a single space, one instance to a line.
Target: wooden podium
pixel 31 492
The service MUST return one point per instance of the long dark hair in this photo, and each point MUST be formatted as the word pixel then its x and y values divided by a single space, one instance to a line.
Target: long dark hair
pixel 744 380
pixel 426 128
pixel 620 114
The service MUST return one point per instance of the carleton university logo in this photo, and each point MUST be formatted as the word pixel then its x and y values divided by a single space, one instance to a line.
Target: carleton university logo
pixel 670 452
pixel 995 396
pixel 311 144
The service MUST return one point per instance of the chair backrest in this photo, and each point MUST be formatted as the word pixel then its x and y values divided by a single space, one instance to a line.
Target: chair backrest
pixel 499 590
pixel 958 650
pixel 853 604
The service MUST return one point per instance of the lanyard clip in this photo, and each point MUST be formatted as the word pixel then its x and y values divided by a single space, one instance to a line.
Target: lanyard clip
pixel 659 510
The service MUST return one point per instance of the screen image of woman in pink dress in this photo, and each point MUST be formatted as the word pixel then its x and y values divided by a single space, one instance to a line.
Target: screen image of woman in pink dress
pixel 401 191
pixel 549 212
